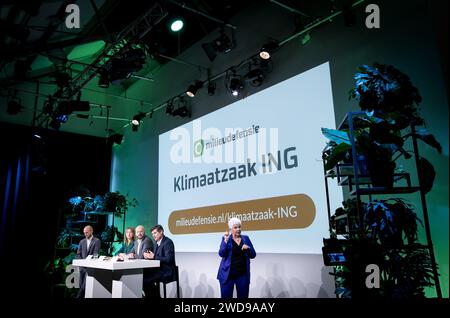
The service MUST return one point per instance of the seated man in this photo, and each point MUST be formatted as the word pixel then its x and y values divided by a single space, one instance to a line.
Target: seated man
pixel 142 244
pixel 164 251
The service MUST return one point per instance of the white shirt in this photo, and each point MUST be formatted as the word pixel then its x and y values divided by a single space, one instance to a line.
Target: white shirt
pixel 139 246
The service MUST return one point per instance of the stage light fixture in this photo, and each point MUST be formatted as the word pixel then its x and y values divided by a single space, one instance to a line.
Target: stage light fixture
pixel 137 120
pixel 255 77
pixel 236 86
pixel 122 67
pixel 176 25
pixel 192 90
pixel 211 88
pixel 182 109
pixel 267 49
pixel 222 44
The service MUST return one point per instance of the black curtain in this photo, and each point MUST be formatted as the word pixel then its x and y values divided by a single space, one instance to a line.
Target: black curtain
pixel 39 170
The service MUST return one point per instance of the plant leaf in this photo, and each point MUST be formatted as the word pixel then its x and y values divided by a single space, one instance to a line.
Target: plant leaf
pixel 338 136
pixel 427 174
pixel 425 135
pixel 338 154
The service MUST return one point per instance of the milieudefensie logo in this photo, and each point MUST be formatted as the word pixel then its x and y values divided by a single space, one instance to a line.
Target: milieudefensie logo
pixel 199 145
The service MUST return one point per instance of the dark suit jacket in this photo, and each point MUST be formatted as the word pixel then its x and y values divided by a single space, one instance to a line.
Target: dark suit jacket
pixel 83 251
pixel 165 253
pixel 147 244
pixel 226 251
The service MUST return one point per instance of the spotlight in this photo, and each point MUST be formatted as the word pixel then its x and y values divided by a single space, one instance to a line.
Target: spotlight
pixel 182 112
pixel 103 81
pixel 192 90
pixel 236 86
pixel 222 44
pixel 176 25
pixel 137 120
pixel 255 77
pixel 14 107
pixel 267 50
pixel 211 88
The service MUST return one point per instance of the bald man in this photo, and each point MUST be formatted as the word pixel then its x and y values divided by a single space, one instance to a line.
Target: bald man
pixel 142 244
pixel 90 245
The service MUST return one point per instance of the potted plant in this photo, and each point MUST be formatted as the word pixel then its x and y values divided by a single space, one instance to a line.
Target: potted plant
pixel 388 239
pixel 109 202
pixel 391 104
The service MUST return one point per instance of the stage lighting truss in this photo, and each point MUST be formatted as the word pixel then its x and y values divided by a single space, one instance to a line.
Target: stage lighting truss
pixel 122 43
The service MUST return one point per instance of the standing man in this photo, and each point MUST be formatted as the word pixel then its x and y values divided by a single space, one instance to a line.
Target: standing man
pixel 164 251
pixel 90 245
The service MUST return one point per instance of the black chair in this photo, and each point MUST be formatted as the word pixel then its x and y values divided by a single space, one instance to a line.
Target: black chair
pixel 175 278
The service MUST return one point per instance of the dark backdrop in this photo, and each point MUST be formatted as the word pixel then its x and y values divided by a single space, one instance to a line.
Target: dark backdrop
pixel 37 174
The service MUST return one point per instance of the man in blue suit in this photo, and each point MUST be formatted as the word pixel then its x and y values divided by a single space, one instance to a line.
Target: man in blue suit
pixel 164 251
pixel 236 251
pixel 90 245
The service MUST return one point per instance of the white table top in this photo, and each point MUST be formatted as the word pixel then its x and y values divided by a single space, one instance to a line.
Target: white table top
pixel 114 265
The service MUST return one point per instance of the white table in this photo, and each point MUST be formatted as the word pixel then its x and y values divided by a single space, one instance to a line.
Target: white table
pixel 112 279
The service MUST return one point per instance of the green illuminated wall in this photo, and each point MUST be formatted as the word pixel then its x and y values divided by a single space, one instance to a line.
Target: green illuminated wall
pixel 407 40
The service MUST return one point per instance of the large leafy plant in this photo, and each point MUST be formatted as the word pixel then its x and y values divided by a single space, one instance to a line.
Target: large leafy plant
pixel 109 202
pixel 391 104
pixel 388 239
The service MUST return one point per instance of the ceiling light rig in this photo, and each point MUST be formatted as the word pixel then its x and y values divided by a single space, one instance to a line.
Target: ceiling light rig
pixel 192 90
pixel 259 65
pixel 268 49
